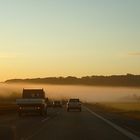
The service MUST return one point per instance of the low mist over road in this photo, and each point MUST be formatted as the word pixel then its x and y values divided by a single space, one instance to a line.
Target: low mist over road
pixel 85 93
pixel 60 124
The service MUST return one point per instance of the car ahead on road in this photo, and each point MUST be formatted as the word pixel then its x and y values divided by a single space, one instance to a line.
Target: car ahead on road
pixel 74 104
pixel 57 104
pixel 33 100
pixel 50 103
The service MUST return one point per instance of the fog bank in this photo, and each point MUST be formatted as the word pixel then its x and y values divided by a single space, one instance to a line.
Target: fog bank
pixel 85 93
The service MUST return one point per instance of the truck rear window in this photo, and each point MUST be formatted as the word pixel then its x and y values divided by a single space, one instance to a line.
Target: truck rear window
pixel 33 94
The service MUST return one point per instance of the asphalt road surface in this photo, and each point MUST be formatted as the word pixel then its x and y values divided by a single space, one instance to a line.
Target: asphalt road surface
pixel 58 125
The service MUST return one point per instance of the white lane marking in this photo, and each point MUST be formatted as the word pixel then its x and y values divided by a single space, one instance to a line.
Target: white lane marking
pixel 45 119
pixel 37 131
pixel 131 129
pixel 120 129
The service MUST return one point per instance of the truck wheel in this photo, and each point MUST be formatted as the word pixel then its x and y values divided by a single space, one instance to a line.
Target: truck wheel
pixel 20 114
pixel 45 111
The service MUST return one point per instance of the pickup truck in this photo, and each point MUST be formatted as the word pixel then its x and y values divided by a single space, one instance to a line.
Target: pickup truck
pixel 33 100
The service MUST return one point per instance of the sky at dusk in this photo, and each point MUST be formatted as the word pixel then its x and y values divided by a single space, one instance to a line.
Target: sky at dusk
pixel 43 38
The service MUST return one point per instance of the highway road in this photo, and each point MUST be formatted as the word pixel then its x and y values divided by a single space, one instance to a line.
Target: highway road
pixel 58 125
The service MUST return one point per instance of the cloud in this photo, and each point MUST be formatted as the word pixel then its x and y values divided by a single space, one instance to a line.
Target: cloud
pixel 134 53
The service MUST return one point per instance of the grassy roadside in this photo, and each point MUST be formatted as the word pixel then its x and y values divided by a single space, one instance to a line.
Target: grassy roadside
pixel 6 108
pixel 126 110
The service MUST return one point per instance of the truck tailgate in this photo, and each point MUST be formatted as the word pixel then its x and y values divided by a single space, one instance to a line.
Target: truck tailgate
pixel 30 101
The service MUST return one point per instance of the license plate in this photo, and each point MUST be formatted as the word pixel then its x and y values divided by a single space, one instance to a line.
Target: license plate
pixel 29 108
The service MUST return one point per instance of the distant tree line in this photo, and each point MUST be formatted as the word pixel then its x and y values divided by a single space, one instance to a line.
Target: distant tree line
pixel 113 80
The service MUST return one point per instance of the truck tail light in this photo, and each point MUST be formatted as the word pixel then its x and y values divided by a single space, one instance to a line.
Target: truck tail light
pixel 20 108
pixel 37 107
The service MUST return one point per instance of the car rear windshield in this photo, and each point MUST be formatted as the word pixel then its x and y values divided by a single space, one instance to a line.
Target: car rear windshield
pixel 74 100
pixel 57 102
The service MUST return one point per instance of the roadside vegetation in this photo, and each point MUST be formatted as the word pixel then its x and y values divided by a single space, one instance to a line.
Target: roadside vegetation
pixel 7 103
pixel 11 98
pixel 124 109
pixel 128 106
pixel 128 80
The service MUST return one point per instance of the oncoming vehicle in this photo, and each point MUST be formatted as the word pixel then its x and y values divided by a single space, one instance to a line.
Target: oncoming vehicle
pixel 33 100
pixel 74 104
